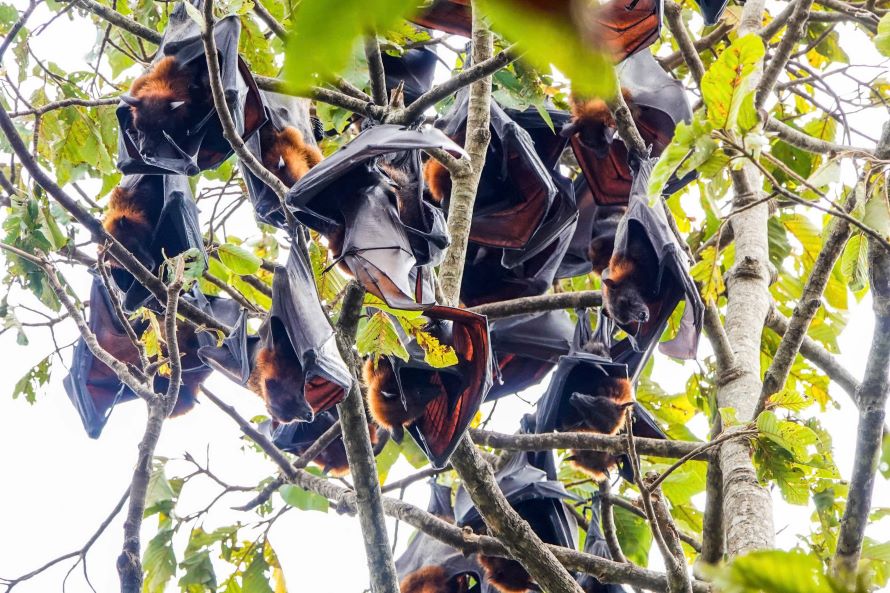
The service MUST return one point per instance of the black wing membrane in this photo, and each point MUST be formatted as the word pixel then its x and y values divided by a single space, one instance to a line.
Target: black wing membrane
pixel 201 145
pixel 594 221
pixel 595 544
pixel 95 389
pixel 415 68
pixel 348 198
pixel 281 111
pixel 176 231
pixel 674 283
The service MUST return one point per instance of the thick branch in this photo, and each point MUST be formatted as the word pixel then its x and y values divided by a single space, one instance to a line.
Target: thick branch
pixel 793 32
pixel 806 142
pixel 585 441
pixel 537 304
pixel 73 102
pixel 375 70
pixel 673 60
pixel 687 49
pixel 119 20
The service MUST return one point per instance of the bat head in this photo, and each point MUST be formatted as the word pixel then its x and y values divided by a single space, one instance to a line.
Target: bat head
pixel 599 413
pixel 624 302
pixel 433 579
pixel 287 155
pixel 132 229
pixel 162 99
pixel 279 380
pixel 505 574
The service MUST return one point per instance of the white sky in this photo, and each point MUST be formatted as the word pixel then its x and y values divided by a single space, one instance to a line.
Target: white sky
pixel 57 485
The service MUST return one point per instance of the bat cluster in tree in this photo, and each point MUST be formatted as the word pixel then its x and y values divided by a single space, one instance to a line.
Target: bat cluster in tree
pixel 381 205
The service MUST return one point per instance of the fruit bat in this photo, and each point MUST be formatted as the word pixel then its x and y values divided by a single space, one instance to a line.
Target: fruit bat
pixel 527 348
pixel 450 16
pixel 595 544
pixel 297 437
pixel 415 67
pixel 366 199
pixel 589 392
pixel 167 121
pixel 286 147
pixel 591 246
pixel 95 389
pixel 539 501
pixel 155 217
pixel 648 276
pixel 657 103
pixel 549 144
pixel 436 405
pixel 292 362
pixel 516 189
pixel 431 566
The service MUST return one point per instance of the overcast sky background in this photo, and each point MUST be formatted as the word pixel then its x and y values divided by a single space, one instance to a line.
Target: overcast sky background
pixel 57 485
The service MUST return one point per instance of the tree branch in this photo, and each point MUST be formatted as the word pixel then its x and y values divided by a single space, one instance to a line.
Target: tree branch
pixel 119 20
pixel 795 30
pixel 806 142
pixel 16 27
pixel 613 444
pixel 687 50
pixel 581 299
pixel 375 70
pixel 673 60
pixel 73 102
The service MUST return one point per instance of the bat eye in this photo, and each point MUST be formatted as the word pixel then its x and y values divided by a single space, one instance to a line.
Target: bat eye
pixel 643 316
pixel 176 105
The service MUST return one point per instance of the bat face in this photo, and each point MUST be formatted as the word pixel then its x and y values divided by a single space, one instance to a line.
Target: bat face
pixel 278 378
pixel 601 413
pixel 286 154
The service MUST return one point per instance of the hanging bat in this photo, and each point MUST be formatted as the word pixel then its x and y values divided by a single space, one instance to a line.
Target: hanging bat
pixel 595 545
pixel 431 566
pixel 155 217
pixel 657 102
pixel 297 437
pixel 589 392
pixel 527 348
pixel 590 248
pixel 95 389
pixel 366 199
pixel 436 405
pixel 292 363
pixel 414 69
pixel 450 16
pixel 648 276
pixel 167 120
pixel 516 189
pixel 539 501
pixel 286 146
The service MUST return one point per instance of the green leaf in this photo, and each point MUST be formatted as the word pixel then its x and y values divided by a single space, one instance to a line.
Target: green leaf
pixel 303 499
pixel 378 337
pixel 709 274
pixel 727 83
pixel 162 493
pixel 199 574
pixel 321 43
pixel 435 353
pixel 159 562
pixel 854 262
pixel 36 377
pixel 239 260
pixel 255 578
pixel 633 535
pixel 773 571
pixel 882 39
pixel 551 37
pixel 387 458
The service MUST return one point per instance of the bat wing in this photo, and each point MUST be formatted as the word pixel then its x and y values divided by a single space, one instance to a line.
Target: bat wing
pixel 576 261
pixel 628 27
pixel 463 386
pixel 281 111
pixel 429 236
pixel 177 230
pixel 296 307
pixel 711 10
pixel 233 357
pixel 675 282
pixel 549 144
pixel 595 544
pixel 527 348
pixel 415 68
pixel 204 146
pixel 451 16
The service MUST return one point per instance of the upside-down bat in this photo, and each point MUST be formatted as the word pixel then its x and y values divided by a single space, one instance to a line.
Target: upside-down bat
pixel 595 544
pixel 648 276
pixel 657 102
pixel 527 348
pixel 431 566
pixel 292 363
pixel 536 499
pixel 590 248
pixel 297 437
pixel 516 189
pixel 286 146
pixel 589 392
pixel 155 217
pixel 357 199
pixel 436 405
pixel 167 121
pixel 95 389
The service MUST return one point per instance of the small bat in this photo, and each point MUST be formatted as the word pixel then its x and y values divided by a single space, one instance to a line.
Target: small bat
pixel 436 405
pixel 539 501
pixel 286 146
pixel 155 217
pixel 95 389
pixel 657 102
pixel 415 68
pixel 431 566
pixel 595 544
pixel 357 199
pixel 527 348
pixel 292 363
pixel 648 276
pixel 167 120
pixel 297 437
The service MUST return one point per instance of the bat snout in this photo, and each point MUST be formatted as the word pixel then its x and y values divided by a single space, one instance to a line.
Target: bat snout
pixel 291 411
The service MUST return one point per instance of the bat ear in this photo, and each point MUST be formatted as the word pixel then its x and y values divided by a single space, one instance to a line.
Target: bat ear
pixel 131 101
pixel 176 104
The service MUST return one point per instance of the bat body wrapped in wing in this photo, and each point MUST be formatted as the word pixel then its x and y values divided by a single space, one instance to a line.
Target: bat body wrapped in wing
pixel 155 217
pixel 367 200
pixel 95 389
pixel 591 246
pixel 435 405
pixel 168 124
pixel 414 69
pixel 292 362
